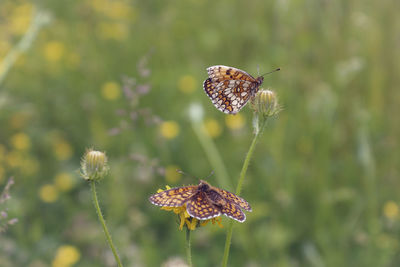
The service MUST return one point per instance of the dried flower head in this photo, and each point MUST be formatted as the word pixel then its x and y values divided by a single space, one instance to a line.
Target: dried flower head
pixel 94 165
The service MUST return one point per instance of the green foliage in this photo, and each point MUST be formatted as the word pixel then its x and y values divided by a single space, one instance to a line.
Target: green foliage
pixel 120 76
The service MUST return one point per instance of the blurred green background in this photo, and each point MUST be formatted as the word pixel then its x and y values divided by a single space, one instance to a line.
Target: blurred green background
pixel 119 76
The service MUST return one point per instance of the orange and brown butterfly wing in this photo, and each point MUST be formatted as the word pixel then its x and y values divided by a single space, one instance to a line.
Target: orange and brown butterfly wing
pixel 233 211
pixel 221 73
pixel 174 197
pixel 231 197
pixel 229 88
pixel 200 208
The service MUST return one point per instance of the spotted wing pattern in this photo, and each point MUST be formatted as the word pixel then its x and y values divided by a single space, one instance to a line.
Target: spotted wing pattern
pixel 200 208
pixel 235 199
pixel 233 211
pixel 174 197
pixel 229 88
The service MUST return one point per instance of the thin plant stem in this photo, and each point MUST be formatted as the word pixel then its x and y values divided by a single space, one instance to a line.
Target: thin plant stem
pixel 213 156
pixel 239 189
pixel 188 247
pixel 103 223
pixel 39 20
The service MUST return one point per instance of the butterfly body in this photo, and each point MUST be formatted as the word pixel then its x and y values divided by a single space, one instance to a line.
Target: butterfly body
pixel 230 88
pixel 203 201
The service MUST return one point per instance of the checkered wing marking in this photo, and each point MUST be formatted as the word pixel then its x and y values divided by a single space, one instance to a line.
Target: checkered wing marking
pixel 229 96
pixel 200 208
pixel 221 73
pixel 233 211
pixel 174 197
pixel 235 199
pixel 229 88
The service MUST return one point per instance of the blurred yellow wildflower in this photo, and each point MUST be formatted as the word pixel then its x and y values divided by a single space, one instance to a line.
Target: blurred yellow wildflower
pixel 171 175
pixel 62 149
pixel 4 48
pixel 117 31
pixel 111 90
pixel 212 128
pixel 48 193
pixel 14 159
pixel 113 9
pixel 64 181
pixel 54 51
pixel 187 84
pixel 66 256
pixel 21 141
pixel 20 18
pixel 169 129
pixel 391 210
pixel 185 219
pixel 235 122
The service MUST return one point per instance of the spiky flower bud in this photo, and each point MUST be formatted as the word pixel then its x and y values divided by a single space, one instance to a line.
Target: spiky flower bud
pixel 94 165
pixel 265 104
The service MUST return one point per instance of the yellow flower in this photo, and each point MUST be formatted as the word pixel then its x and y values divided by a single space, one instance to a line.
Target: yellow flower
pixel 21 141
pixel 48 193
pixel 62 149
pixel 212 128
pixel 64 181
pixel 235 122
pixel 20 19
pixel 4 48
pixel 187 84
pixel 66 256
pixel 391 210
pixel 171 175
pixel 54 51
pixel 14 159
pixel 111 91
pixel 185 219
pixel 169 129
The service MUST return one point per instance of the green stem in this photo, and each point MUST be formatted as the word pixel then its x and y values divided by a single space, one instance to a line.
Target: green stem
pixel 213 155
pixel 239 189
pixel 103 223
pixel 188 247
pixel 38 21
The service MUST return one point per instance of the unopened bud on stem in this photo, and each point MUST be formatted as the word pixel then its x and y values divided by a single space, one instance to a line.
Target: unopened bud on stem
pixel 94 165
pixel 265 104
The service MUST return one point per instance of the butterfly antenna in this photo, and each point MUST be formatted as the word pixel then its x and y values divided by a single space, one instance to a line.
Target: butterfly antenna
pixel 211 174
pixel 184 173
pixel 278 69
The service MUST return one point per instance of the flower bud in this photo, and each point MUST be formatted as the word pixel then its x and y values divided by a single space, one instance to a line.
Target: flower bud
pixel 265 103
pixel 94 165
